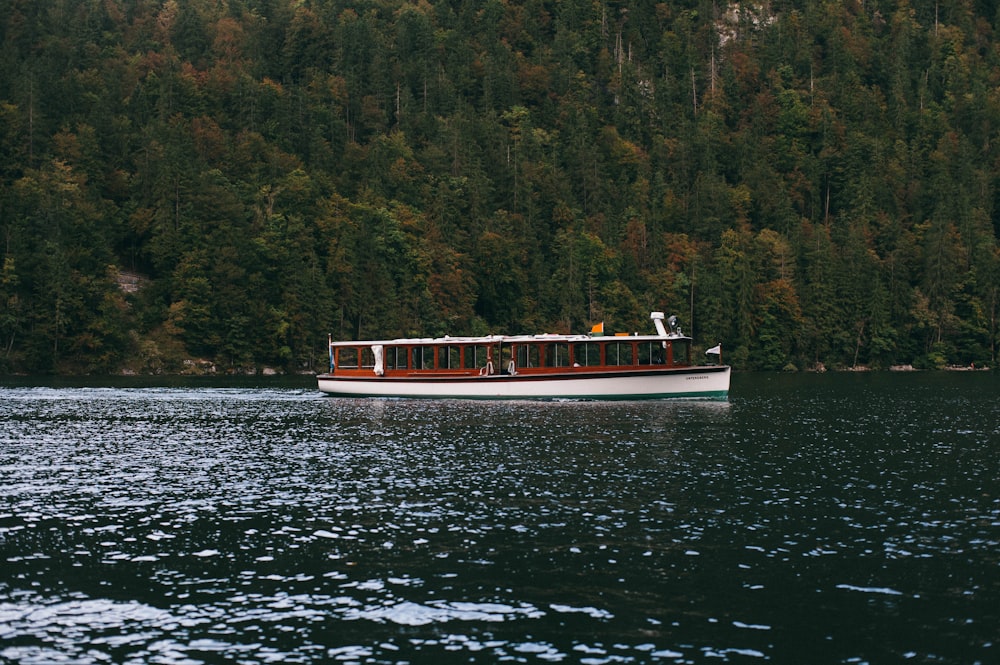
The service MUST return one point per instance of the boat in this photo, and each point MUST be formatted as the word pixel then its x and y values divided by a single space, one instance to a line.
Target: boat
pixel 535 367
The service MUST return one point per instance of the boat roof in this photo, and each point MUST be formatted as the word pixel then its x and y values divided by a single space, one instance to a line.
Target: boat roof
pixel 448 340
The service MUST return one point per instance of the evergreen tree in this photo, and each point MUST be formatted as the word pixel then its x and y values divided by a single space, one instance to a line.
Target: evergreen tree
pixel 807 183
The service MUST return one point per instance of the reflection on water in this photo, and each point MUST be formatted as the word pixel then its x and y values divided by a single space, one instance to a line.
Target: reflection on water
pixel 811 519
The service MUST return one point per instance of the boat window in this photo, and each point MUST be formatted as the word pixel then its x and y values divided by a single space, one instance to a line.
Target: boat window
pixel 449 357
pixel 423 357
pixel 557 354
pixel 681 353
pixel 618 353
pixel 367 357
pixel 650 353
pixel 528 355
pixel 347 357
pixel 475 356
pixel 587 354
pixel 395 357
pixel 505 357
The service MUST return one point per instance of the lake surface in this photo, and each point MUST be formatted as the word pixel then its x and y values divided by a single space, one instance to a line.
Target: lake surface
pixel 838 518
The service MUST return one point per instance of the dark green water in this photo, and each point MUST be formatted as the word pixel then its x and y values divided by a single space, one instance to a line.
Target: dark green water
pixel 812 519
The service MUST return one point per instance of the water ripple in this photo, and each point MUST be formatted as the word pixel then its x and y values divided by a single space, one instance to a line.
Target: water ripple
pixel 816 518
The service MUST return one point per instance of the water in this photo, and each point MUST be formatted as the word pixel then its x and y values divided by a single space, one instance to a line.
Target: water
pixel 812 519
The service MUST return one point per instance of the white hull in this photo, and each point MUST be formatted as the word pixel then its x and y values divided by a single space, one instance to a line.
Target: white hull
pixel 707 382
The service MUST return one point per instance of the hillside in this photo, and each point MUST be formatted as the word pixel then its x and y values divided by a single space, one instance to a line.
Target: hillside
pixel 808 182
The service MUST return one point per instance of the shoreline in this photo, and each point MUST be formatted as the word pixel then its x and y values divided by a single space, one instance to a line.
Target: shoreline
pixel 210 371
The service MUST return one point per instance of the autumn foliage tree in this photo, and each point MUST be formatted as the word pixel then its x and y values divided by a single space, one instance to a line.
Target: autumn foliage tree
pixel 809 183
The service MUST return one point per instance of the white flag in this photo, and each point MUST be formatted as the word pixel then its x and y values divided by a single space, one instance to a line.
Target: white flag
pixel 715 350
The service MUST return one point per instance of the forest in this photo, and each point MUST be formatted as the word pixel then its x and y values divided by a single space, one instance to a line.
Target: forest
pixel 217 185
